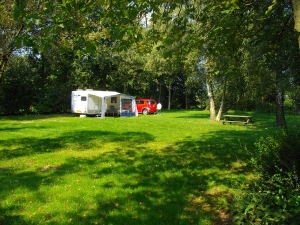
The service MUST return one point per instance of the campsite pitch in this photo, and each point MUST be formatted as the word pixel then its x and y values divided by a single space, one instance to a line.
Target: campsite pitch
pixel 180 169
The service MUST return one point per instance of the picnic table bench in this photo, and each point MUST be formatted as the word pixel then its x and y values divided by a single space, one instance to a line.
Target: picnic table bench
pixel 237 119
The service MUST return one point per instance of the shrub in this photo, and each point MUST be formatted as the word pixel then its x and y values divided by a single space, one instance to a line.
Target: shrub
pixel 274 198
pixel 279 154
pixel 52 99
pixel 269 202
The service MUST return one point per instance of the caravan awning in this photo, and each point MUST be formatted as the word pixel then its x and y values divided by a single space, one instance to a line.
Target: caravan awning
pixel 103 94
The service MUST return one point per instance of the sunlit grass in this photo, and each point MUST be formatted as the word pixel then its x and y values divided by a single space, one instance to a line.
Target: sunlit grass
pixel 178 168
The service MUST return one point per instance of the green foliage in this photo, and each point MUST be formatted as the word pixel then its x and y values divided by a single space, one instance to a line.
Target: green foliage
pixel 279 154
pixel 51 99
pixel 275 197
pixel 276 201
pixel 16 87
pixel 244 43
pixel 29 87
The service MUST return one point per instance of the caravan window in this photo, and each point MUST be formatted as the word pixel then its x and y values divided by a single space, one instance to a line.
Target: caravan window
pixel 83 98
pixel 113 100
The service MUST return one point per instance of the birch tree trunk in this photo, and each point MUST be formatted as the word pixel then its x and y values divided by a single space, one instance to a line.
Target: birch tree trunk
pixel 210 94
pixel 159 93
pixel 169 97
pixel 221 109
pixel 296 9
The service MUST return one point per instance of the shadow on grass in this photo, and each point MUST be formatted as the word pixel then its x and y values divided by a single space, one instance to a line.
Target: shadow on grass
pixel 12 129
pixel 185 183
pixel 7 214
pixel 36 117
pixel 33 146
pixel 176 188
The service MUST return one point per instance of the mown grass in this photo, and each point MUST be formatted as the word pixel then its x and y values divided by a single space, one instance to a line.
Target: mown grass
pixel 178 168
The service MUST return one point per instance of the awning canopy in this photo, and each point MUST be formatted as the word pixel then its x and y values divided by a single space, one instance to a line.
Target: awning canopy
pixel 106 94
pixel 103 94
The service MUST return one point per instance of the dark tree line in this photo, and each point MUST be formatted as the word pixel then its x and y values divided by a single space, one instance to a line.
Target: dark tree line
pixel 244 54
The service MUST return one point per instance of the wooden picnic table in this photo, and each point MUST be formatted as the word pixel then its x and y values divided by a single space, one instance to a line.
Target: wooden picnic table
pixel 237 119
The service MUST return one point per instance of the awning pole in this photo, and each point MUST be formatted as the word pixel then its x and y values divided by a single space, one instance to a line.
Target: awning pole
pixel 103 108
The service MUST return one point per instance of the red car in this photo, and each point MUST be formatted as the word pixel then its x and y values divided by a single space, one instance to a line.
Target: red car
pixel 146 105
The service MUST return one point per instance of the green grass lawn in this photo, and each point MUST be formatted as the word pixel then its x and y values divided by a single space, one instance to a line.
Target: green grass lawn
pixel 178 168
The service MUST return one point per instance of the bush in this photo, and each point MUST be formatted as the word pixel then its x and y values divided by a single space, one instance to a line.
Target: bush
pixel 279 154
pixel 52 99
pixel 273 202
pixel 274 198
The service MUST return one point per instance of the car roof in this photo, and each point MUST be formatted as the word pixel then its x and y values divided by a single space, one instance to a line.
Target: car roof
pixel 145 99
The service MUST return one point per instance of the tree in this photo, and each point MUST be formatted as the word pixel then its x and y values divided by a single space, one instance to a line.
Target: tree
pixel 17 89
pixel 296 9
pixel 275 34
pixel 130 76
pixel 11 29
pixel 265 24
pixel 227 34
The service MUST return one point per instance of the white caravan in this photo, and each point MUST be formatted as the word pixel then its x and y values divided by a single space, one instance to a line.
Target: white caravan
pixel 93 102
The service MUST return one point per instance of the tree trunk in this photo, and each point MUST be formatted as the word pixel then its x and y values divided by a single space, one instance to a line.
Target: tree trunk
pixel 186 100
pixel 169 97
pixel 7 51
pixel 296 9
pixel 3 63
pixel 221 109
pixel 210 94
pixel 159 92
pixel 280 118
